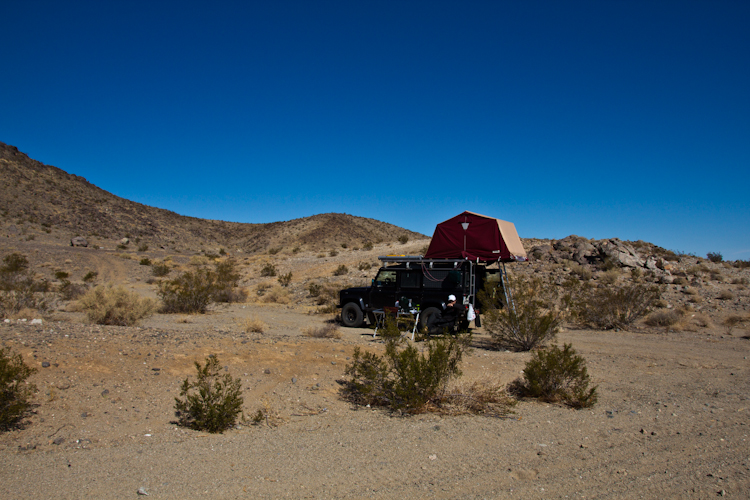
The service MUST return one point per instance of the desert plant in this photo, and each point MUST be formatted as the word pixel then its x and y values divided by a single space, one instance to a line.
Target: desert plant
pixel 341 270
pixel 159 269
pixel 741 264
pixel 405 379
pixel 326 331
pixel 145 261
pixel 367 245
pixel 115 306
pixel 664 318
pixel 70 291
pixel 61 275
pixel 190 292
pixel 530 321
pixel 14 390
pixel 611 307
pixel 285 279
pixel 314 289
pixel 254 325
pixel 583 272
pixel 715 257
pixel 211 403
pixel 333 253
pixel 90 276
pixel 725 295
pixel 274 251
pixel 556 375
pixel 226 281
pixel 731 322
pixel 18 290
pixel 364 266
pixel 268 270
pixel 609 277
pixel 403 239
pixel 276 294
pixel 143 248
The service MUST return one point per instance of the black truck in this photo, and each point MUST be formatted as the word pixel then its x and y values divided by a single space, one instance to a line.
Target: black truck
pixel 424 284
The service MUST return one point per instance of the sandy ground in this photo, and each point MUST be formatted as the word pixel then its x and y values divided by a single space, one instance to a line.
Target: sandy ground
pixel 671 422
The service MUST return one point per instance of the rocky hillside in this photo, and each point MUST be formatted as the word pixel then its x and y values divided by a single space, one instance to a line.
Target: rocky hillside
pixel 42 199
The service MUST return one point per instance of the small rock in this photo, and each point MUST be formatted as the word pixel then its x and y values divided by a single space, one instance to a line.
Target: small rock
pixel 45 364
pixel 105 392
pixel 142 491
pixel 294 380
pixel 36 321
pixel 267 371
pixel 58 441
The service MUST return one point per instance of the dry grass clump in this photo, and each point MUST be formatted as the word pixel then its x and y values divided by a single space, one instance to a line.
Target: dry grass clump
pixel 326 331
pixel 253 325
pixel 478 397
pixel 669 319
pixel 733 321
pixel 583 272
pixel 680 280
pixel 609 277
pixel 115 306
pixel 725 295
pixel 701 320
pixel 277 295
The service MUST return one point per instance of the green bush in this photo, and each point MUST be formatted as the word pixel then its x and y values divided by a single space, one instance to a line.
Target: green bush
pixel 285 279
pixel 115 306
pixel 405 379
pixel 189 292
pixel 18 290
pixel 611 307
pixel 532 320
pixel 556 375
pixel 227 279
pixel 14 390
pixel 159 269
pixel 268 270
pixel 211 403
pixel 715 257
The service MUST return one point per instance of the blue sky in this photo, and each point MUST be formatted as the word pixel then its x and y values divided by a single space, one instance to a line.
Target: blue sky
pixel 626 119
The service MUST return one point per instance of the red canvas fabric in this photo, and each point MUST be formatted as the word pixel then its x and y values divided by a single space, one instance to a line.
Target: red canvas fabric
pixel 483 239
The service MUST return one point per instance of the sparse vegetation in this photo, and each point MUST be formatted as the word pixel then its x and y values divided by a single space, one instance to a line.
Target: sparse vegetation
pixel 341 270
pixel 611 307
pixel 725 295
pixel 160 269
pixel 664 318
pixel 61 275
pixel 532 321
pixel 18 290
pixel 268 270
pixel 405 379
pixel 367 245
pixel 253 325
pixel 145 261
pixel 213 402
pixel 190 292
pixel 715 257
pixel 115 306
pixel 556 375
pixel 403 239
pixel 326 331
pixel 285 279
pixel 274 251
pixel 14 389
pixel 90 276
pixel 143 248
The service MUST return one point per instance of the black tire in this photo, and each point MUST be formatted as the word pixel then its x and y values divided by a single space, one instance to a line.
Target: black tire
pixel 424 318
pixel 351 315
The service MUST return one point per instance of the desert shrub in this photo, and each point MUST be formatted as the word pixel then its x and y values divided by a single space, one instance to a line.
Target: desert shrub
pixel 478 397
pixel 532 320
pixel 190 292
pixel 274 251
pixel 732 321
pixel 333 253
pixel 700 319
pixel 226 281
pixel 680 280
pixel 697 270
pixel 14 390
pixel 277 294
pixel 715 257
pixel 583 272
pixel 115 306
pixel 403 239
pixel 611 307
pixel 341 270
pixel 609 277
pixel 143 248
pixel 314 289
pixel 145 261
pixel 367 245
pixel 664 318
pixel 344 245
pixel 285 279
pixel 61 275
pixel 403 378
pixel 18 290
pixel 70 291
pixel 636 273
pixel 326 331
pixel 326 296
pixel 213 402
pixel 740 281
pixel 159 269
pixel 296 249
pixel 268 270
pixel 253 325
pixel 122 247
pixel 364 266
pixel 741 264
pixel 725 295
pixel 90 276
pixel 556 375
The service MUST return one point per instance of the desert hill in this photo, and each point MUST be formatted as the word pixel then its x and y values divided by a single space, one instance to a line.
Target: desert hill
pixel 39 199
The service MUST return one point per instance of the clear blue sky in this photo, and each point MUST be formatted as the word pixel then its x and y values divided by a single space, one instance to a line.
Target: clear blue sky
pixel 626 119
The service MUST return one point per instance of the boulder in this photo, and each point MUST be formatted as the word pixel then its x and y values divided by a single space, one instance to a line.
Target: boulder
pixel 125 241
pixel 78 241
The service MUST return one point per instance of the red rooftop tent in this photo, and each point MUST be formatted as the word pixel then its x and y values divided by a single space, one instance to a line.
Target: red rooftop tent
pixel 474 236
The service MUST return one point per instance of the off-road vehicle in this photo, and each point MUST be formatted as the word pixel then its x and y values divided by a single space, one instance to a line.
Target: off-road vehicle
pixel 419 284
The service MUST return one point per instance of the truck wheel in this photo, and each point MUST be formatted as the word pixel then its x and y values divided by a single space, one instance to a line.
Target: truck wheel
pixel 351 315
pixel 428 313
